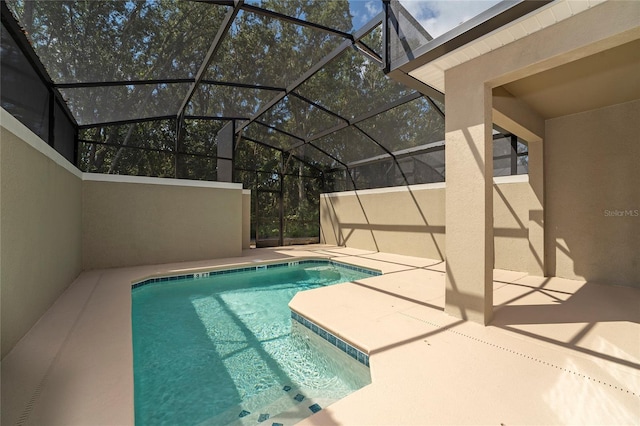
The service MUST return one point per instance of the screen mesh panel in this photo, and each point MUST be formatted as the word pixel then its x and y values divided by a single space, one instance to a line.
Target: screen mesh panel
pixel 412 124
pixel 268 181
pixel 377 175
pixel 349 145
pixel 311 154
pixel 24 95
pixel 270 136
pixel 196 167
pixel 200 137
pixel 146 149
pixel 248 180
pixel 301 207
pixel 429 167
pixel 406 34
pixel 227 101
pixel 64 138
pixel 94 41
pixel 439 104
pixel 261 50
pixel 257 157
pixel 416 166
pixel 510 156
pixel 299 118
pixel 332 14
pixel 335 181
pixel 159 135
pixel 296 167
pixel 373 40
pixel 523 166
pixel 126 69
pixel 352 85
pixel 415 23
pixel 523 157
pixel 502 156
pixel 97 105
pixel 96 158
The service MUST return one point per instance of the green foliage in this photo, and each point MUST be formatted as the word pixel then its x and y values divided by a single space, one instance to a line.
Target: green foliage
pixel 148 150
pixel 110 41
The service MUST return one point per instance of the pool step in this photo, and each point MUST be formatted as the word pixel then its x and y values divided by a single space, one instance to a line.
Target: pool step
pixel 249 409
pixel 299 412
pixel 288 406
pixel 284 412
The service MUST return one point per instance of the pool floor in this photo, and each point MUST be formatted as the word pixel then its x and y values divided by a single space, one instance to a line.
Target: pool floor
pixel 218 349
pixel 287 404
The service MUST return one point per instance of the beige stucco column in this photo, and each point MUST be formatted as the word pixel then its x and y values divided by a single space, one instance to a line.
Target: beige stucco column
pixel 469 198
pixel 469 232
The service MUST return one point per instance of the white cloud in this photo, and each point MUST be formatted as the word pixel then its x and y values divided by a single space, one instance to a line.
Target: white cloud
pixel 438 17
pixel 373 8
pixel 364 10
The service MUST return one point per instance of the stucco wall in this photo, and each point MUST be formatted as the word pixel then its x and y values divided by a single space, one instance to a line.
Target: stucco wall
pixel 512 204
pixel 411 221
pixel 57 221
pixel 144 221
pixel 401 220
pixel 40 243
pixel 593 200
pixel 246 219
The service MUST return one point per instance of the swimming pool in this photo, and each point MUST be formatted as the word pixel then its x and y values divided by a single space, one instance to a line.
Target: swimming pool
pixel 223 349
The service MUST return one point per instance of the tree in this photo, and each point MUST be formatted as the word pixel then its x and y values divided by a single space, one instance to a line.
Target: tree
pixel 96 41
pixel 133 41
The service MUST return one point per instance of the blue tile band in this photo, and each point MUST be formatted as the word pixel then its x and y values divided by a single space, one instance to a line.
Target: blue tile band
pixel 345 347
pixel 205 274
pixel 315 408
pixel 161 279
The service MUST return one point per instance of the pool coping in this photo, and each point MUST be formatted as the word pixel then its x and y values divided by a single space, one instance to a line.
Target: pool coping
pixel 75 365
pixel 233 269
pixel 331 337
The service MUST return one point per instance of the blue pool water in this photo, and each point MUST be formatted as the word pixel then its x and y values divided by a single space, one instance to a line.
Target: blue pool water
pixel 223 349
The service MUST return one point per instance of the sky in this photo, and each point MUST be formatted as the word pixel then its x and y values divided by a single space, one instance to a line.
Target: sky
pixel 437 17
pixel 364 10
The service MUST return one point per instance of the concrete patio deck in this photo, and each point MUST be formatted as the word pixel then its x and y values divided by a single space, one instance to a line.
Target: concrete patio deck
pixel 557 352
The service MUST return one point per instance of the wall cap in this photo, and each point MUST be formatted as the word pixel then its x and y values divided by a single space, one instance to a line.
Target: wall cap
pixel 499 180
pixel 13 125
pixel 100 177
pixel 405 188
